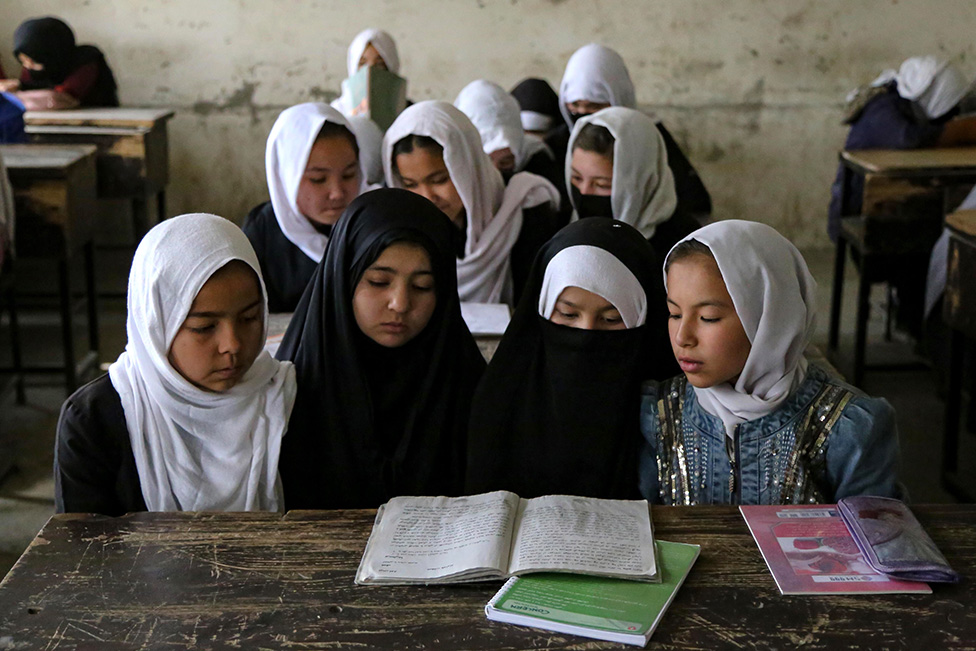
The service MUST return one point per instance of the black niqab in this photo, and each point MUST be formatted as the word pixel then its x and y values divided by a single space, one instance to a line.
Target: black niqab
pixel 557 412
pixel 372 422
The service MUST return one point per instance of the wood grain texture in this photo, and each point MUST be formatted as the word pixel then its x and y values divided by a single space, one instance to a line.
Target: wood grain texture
pixel 100 117
pixel 256 581
pixel 908 162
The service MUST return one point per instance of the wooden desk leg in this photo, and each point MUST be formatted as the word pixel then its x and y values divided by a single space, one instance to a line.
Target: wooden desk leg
pixel 861 329
pixel 93 336
pixel 17 353
pixel 950 442
pixel 67 326
pixel 140 218
pixel 837 295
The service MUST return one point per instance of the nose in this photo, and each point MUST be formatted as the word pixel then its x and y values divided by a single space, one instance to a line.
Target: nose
pixel 336 190
pixel 587 321
pixel 229 341
pixel 399 298
pixel 426 191
pixel 685 335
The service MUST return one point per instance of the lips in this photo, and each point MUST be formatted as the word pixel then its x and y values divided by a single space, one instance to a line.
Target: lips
pixel 689 365
pixel 226 373
pixel 394 326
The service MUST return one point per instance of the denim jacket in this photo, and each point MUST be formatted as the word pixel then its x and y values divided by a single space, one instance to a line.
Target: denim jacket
pixel 826 441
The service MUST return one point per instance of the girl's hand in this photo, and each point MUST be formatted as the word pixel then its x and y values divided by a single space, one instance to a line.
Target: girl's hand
pixel 9 85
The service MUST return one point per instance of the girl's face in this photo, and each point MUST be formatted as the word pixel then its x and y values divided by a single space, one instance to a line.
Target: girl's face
pixel 586 107
pixel 580 308
pixel 330 181
pixel 591 173
pixel 222 335
pixel 503 159
pixel 396 296
pixel 423 172
pixel 29 63
pixel 371 57
pixel 706 334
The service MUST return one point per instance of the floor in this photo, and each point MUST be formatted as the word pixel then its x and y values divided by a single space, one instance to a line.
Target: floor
pixel 27 432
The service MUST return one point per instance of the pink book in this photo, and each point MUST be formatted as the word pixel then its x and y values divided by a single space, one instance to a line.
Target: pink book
pixel 809 550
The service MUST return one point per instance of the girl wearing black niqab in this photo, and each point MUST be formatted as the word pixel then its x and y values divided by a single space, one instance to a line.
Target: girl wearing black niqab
pixel 79 71
pixel 557 411
pixel 371 422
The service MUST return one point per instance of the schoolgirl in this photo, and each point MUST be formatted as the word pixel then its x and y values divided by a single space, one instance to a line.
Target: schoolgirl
pixel 191 416
pixel 750 421
pixel 495 113
pixel 314 172
pixel 370 47
pixel 386 367
pixel 618 168
pixel 596 78
pixel 557 410
pixel 539 106
pixel 56 73
pixel 433 149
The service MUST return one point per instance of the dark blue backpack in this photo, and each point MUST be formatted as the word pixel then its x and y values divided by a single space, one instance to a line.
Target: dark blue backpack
pixel 11 120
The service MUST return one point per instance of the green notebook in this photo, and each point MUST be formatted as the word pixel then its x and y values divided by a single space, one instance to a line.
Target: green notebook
pixel 606 609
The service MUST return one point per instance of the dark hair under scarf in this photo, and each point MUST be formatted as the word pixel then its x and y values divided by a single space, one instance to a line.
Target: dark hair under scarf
pixel 557 412
pixel 50 41
pixel 372 422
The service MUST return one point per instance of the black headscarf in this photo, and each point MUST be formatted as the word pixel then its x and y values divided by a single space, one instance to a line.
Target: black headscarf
pixel 50 41
pixel 537 95
pixel 372 422
pixel 557 412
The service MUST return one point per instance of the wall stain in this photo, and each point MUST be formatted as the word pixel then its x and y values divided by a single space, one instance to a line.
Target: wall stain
pixel 794 20
pixel 242 98
pixel 319 94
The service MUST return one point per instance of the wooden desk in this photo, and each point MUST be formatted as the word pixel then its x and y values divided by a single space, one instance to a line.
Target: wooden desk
pixel 54 192
pixel 182 581
pixel 133 150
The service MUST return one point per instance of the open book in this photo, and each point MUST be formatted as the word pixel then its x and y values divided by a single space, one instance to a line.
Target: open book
pixel 378 94
pixel 497 535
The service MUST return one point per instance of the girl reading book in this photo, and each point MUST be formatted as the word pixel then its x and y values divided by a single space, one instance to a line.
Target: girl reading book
pixel 432 149
pixel 370 47
pixel 314 171
pixel 386 367
pixel 557 410
pixel 191 416
pixel 750 421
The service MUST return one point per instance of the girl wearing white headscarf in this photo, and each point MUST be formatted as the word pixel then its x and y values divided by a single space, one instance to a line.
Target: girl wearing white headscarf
pixel 557 410
pixel 596 78
pixel 497 116
pixel 191 415
pixel 642 191
pixel 314 171
pixel 389 58
pixel 750 421
pixel 501 227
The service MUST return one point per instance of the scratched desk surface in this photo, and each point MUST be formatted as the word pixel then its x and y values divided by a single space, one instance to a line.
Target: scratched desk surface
pixel 185 581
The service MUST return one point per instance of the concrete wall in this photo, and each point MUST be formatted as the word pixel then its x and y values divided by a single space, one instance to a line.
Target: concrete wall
pixel 752 89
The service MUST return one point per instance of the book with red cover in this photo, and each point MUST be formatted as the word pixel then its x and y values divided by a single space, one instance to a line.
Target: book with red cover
pixel 809 550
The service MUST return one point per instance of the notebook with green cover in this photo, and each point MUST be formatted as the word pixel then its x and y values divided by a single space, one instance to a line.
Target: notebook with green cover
pixel 378 94
pixel 601 608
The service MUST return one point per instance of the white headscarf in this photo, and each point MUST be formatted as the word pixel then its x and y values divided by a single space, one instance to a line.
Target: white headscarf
pixel 597 74
pixel 595 270
pixel 196 450
pixel 774 296
pixel 497 116
pixel 385 46
pixel 642 192
pixel 933 83
pixel 369 137
pixel 289 146
pixel 494 211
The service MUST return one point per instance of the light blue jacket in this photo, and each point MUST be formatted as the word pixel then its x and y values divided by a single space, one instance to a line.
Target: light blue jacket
pixel 861 449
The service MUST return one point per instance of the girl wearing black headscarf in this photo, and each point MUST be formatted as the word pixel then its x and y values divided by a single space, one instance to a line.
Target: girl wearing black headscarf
pixel 557 411
pixel 57 73
pixel 386 366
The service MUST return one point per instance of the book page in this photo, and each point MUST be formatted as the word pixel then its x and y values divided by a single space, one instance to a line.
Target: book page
pixel 421 538
pixel 584 535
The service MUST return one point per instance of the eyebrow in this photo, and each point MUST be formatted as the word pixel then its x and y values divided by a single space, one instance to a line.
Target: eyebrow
pixel 214 315
pixel 576 307
pixel 703 304
pixel 573 170
pixel 329 169
pixel 391 270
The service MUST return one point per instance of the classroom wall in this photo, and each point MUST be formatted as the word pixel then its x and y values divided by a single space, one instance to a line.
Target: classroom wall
pixel 753 89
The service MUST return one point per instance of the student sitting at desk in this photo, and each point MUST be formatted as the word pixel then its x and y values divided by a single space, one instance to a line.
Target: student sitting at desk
pixel 370 47
pixel 495 113
pixel 386 366
pixel 314 171
pixel 557 409
pixel 57 74
pixel 432 149
pixel 191 415
pixel 750 421
pixel 539 106
pixel 596 78
pixel 911 108
pixel 618 167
